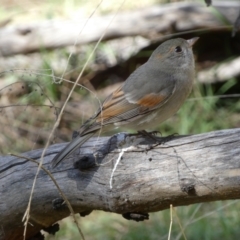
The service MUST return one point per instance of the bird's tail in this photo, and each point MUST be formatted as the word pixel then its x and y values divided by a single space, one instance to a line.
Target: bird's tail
pixel 71 147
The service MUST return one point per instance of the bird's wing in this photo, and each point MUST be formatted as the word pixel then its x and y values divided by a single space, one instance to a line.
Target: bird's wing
pixel 119 108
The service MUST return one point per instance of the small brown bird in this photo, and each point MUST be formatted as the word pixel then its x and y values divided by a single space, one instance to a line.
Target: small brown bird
pixel 150 95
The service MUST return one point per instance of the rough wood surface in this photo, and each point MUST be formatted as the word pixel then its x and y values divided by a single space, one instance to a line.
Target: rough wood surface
pixel 149 22
pixel 182 171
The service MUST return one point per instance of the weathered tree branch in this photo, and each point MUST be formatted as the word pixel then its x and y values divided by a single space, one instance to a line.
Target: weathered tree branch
pixel 147 22
pixel 182 171
pixel 221 72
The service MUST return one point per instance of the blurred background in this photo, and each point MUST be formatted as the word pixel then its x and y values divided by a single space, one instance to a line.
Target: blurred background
pixel 44 46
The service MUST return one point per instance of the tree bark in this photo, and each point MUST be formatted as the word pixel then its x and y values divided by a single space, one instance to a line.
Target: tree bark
pixel 149 22
pixel 182 171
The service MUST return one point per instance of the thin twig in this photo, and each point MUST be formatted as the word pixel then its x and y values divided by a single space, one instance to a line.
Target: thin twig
pixel 171 221
pixel 180 225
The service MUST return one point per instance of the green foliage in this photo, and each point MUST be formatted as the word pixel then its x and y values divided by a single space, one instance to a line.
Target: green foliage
pixel 218 220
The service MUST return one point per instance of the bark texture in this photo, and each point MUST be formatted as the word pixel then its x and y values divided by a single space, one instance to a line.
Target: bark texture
pixel 182 171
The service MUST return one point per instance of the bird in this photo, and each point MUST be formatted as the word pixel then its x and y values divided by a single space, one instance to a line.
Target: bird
pixel 150 95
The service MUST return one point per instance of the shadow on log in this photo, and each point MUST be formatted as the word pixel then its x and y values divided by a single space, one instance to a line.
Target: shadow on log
pixel 147 178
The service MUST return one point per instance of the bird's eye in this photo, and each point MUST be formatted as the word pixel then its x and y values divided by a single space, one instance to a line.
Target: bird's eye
pixel 178 49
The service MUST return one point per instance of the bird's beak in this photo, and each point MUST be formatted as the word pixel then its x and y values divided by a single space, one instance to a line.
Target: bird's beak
pixel 192 41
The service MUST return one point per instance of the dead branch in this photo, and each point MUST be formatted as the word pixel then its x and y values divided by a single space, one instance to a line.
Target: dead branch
pixel 149 22
pixel 182 171
pixel 221 72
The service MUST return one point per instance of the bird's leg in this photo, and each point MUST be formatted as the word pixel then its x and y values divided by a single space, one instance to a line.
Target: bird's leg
pixel 157 140
pixel 151 135
pixel 168 138
pixel 144 133
pixel 163 140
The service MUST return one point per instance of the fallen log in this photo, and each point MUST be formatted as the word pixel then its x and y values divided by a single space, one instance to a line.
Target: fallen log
pixel 149 22
pixel 104 175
